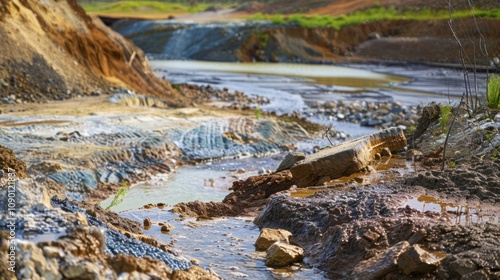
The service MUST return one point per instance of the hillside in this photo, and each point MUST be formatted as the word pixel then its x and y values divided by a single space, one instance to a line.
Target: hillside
pixel 53 50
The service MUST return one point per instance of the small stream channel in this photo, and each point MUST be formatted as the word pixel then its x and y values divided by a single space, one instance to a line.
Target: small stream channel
pixel 226 245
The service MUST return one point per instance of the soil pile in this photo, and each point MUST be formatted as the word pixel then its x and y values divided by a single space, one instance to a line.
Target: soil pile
pixel 9 161
pixel 53 50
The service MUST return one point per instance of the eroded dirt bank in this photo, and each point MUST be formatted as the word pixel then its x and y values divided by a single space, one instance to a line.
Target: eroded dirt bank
pixel 53 50
pixel 428 41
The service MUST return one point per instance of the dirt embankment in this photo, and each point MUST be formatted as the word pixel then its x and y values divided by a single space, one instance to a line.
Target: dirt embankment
pixel 387 40
pixel 53 50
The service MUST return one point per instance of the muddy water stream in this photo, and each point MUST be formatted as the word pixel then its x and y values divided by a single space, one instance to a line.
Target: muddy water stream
pixel 205 182
pixel 226 245
pixel 223 245
pixel 290 87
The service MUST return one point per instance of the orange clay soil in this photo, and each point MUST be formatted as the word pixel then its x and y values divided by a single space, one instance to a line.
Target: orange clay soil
pixel 53 50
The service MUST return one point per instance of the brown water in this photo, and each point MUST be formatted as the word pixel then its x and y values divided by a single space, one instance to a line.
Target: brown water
pixel 225 246
pixel 458 214
pixel 386 169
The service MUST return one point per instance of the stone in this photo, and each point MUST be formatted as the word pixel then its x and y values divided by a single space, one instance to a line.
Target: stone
pixel 282 254
pixel 269 236
pixel 347 158
pixel 34 263
pixel 413 154
pixel 81 270
pixel 52 252
pixel 99 234
pixel 462 267
pixel 330 105
pixel 166 228
pixel 80 218
pixel 417 261
pixel 290 160
pixel 195 272
pixel 147 223
pixel 477 275
pixel 380 265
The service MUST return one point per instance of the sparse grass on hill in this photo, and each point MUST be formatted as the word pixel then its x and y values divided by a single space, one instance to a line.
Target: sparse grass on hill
pixel 372 14
pixel 142 7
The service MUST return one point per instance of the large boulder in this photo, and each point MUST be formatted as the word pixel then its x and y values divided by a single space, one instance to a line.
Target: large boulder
pixel 269 236
pixel 346 158
pixel 281 254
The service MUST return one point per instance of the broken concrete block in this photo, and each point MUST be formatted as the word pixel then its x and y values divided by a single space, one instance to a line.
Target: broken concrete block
pixel 290 160
pixel 346 158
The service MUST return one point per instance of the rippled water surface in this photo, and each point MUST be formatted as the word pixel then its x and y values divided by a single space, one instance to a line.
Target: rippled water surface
pixel 225 246
pixel 205 182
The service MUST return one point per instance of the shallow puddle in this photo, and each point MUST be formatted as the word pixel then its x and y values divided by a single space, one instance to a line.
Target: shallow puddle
pixel 463 215
pixel 225 246
pixel 205 182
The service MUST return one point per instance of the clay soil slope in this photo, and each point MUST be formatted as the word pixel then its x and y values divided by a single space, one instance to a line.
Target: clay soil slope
pixel 53 50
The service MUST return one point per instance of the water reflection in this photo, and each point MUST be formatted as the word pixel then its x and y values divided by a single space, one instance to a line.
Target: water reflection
pixel 464 215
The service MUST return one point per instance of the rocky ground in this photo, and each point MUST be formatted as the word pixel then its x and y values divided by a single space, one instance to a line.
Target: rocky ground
pixel 431 223
pixel 109 142
pixel 87 147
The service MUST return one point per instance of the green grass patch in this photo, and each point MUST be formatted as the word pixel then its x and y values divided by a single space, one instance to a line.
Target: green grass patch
pixel 494 92
pixel 142 7
pixel 372 14
pixel 445 116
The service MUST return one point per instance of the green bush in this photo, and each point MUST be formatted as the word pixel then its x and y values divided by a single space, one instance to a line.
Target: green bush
pixel 494 92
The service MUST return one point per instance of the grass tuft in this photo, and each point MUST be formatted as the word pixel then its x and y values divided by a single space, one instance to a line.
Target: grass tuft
pixel 494 92
pixel 445 116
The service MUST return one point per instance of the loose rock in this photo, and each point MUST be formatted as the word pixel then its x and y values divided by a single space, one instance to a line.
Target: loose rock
pixel 281 254
pixel 380 265
pixel 416 260
pixel 269 236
